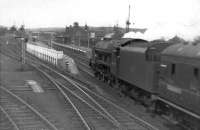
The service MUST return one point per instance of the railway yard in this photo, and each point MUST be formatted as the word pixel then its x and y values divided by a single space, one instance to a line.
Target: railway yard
pixel 38 95
pixel 99 65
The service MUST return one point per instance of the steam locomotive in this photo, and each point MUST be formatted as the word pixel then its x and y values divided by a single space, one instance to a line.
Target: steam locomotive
pixel 163 76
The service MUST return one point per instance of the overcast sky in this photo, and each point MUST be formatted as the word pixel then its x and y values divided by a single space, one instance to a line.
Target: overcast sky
pixel 176 14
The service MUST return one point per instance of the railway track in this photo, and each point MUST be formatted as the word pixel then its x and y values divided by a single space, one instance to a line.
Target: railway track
pixel 22 115
pixel 11 52
pixel 6 122
pixel 81 61
pixel 121 118
pixel 83 64
pixel 105 102
pixel 107 112
pixel 95 119
pixel 84 68
pixel 83 58
pixel 90 115
pixel 75 55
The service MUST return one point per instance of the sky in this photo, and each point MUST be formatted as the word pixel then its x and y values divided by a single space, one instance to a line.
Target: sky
pixel 180 17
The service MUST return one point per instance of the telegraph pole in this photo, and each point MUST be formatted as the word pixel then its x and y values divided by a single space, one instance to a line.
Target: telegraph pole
pixel 50 42
pixel 88 39
pixel 128 20
pixel 23 51
pixel 79 39
pixel 23 41
pixel 88 35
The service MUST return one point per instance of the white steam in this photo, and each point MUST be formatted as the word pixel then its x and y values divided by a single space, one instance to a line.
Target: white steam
pixel 165 19
pixel 166 32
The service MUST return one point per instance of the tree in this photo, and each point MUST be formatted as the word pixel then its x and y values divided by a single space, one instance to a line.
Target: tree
pixel 3 30
pixel 115 28
pixel 13 29
pixel 22 29
pixel 76 24
pixel 86 27
pixel 177 39
pixel 117 32
pixel 66 29
pixel 196 40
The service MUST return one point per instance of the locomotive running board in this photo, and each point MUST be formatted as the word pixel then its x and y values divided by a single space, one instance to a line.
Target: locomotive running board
pixel 181 109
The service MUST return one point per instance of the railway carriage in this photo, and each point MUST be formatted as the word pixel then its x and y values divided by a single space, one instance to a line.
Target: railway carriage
pixel 179 81
pixel 82 51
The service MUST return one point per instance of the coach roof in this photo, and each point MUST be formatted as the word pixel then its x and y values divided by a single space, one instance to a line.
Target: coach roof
pixel 187 53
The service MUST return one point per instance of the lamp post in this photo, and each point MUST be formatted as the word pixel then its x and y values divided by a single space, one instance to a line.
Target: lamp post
pixel 79 39
pixel 50 42
pixel 88 35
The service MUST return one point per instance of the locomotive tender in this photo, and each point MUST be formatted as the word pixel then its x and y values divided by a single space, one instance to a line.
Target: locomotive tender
pixel 163 76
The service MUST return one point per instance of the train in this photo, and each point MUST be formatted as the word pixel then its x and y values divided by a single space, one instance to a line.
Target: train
pixel 83 51
pixel 163 76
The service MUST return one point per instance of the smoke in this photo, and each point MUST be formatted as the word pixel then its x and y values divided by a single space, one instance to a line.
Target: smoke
pixel 168 31
pixel 165 19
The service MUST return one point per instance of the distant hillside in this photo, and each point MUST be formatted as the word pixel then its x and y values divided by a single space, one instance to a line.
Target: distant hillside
pixel 110 29
pixel 50 29
pixel 91 28
pixel 1 26
pixel 59 29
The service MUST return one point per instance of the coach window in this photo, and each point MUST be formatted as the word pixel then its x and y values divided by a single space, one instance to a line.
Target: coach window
pixel 173 69
pixel 196 73
pixel 149 57
pixel 195 81
pixel 156 58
